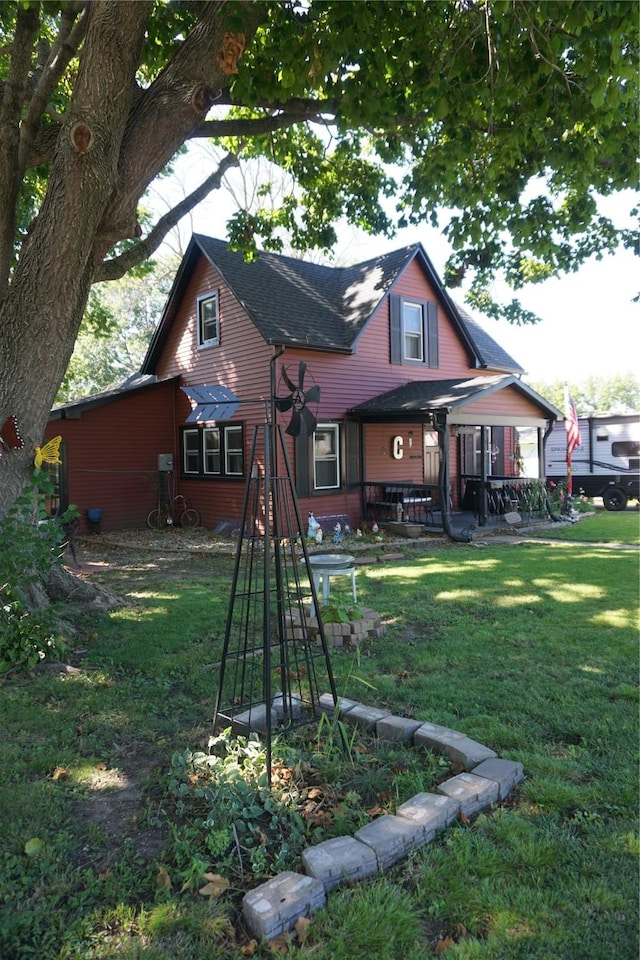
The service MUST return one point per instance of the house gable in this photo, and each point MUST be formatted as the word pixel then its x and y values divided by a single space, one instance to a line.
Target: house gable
pixel 294 303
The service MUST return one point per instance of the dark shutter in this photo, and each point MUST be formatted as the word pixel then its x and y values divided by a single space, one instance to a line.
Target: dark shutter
pixel 351 430
pixel 301 457
pixel 395 328
pixel 431 310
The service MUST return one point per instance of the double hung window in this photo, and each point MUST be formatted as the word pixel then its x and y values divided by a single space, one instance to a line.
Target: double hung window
pixel 413 332
pixel 208 320
pixel 326 457
pixel 213 451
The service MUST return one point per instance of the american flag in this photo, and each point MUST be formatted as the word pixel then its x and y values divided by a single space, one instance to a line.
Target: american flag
pixel 571 423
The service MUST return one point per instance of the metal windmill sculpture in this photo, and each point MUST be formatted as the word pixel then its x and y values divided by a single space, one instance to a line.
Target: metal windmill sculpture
pixel 275 659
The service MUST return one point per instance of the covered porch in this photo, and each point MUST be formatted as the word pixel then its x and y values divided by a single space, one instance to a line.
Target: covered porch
pixel 455 455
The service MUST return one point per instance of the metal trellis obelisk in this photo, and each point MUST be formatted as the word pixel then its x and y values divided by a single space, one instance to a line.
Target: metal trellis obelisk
pixel 274 660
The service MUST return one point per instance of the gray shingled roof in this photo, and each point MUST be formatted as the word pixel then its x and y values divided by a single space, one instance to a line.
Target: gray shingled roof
pixel 422 396
pixel 296 303
pixel 490 351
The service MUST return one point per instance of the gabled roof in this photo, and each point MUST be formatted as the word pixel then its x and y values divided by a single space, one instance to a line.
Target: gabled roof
pixel 430 396
pixel 493 355
pixel 296 303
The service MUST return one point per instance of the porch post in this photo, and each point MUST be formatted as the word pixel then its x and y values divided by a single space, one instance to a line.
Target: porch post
pixel 483 504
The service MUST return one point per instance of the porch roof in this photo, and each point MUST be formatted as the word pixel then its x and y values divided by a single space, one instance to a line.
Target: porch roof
pixel 419 397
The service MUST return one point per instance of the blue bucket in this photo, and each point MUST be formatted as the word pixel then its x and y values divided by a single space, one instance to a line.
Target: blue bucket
pixel 94 515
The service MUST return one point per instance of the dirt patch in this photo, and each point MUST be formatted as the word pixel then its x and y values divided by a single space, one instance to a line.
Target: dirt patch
pixel 117 812
pixel 414 633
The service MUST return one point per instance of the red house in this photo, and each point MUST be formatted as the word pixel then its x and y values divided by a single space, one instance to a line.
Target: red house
pixel 421 413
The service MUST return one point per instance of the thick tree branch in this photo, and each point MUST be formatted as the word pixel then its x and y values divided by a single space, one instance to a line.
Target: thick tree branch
pixel 177 101
pixel 116 267
pixel 73 26
pixel 27 24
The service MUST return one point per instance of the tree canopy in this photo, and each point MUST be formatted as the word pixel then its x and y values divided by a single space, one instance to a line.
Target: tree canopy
pixel 513 117
pixel 595 395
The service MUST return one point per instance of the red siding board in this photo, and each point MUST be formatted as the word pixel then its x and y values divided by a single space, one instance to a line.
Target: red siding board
pixel 111 453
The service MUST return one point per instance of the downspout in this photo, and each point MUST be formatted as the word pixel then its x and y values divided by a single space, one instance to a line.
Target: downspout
pixel 443 482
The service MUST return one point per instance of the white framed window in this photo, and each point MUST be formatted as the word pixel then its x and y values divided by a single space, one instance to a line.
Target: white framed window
pixel 326 457
pixel 233 451
pixel 212 451
pixel 412 331
pixel 208 320
pixel 190 451
pixel 211 448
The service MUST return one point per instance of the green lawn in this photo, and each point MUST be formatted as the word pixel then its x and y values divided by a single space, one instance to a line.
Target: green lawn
pixel 529 648
pixel 600 526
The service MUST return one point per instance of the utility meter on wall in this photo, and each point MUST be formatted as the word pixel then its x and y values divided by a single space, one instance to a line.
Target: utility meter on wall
pixel 165 462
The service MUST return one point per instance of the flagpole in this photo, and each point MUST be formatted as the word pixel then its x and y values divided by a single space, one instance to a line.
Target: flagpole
pixel 567 414
pixel 573 434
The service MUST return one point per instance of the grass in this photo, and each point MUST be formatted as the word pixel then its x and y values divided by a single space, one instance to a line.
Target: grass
pixel 529 648
pixel 601 526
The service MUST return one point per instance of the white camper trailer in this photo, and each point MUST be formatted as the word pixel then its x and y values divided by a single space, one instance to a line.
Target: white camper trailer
pixel 607 462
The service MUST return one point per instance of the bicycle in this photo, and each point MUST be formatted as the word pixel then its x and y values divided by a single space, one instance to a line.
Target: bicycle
pixel 173 514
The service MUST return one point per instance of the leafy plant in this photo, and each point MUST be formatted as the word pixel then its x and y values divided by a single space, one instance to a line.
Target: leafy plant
pixel 31 545
pixel 340 612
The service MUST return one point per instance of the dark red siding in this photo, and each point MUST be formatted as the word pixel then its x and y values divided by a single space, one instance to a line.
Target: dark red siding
pixel 111 455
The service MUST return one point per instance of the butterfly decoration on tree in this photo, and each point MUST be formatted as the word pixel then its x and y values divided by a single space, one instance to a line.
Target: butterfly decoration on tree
pixel 10 436
pixel 49 453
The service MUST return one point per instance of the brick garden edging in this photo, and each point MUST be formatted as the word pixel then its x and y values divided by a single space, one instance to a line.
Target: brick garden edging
pixel 274 907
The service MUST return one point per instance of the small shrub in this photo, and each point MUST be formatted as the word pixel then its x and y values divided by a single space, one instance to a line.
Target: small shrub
pixel 31 545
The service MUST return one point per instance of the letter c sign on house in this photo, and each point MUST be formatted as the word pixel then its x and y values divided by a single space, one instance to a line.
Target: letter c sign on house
pixel 398 452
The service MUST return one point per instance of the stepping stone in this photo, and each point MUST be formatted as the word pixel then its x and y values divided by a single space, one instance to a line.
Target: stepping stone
pixel 274 906
pixel 339 860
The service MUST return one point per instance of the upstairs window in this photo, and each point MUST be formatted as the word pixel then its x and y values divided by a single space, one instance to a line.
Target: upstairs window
pixel 208 320
pixel 413 332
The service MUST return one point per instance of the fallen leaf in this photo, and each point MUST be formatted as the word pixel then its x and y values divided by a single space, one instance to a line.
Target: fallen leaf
pixel 280 944
pixel 59 773
pixel 101 766
pixel 249 949
pixel 34 847
pixel 463 817
pixel 163 880
pixel 301 927
pixel 215 886
pixel 443 945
